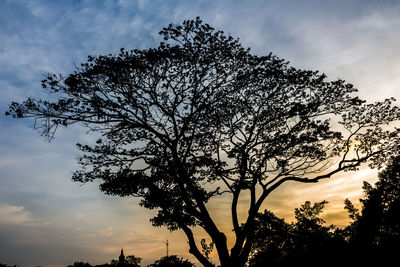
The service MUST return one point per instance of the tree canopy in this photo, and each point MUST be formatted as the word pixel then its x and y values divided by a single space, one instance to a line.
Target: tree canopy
pixel 200 116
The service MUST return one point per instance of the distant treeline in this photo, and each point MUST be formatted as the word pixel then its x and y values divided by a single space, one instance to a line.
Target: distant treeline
pixel 132 261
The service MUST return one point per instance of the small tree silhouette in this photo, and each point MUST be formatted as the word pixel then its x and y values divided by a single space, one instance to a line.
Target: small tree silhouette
pixel 171 261
pixel 133 261
pixel 305 242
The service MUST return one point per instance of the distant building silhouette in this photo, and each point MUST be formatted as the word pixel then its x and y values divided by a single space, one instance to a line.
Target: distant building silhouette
pixel 121 259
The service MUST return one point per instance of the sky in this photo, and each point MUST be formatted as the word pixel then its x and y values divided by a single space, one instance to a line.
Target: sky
pixel 48 220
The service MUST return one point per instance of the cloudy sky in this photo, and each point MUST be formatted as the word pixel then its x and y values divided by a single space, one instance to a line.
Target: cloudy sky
pixel 46 219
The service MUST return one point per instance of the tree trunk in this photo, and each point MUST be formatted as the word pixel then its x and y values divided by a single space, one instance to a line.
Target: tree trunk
pixel 232 262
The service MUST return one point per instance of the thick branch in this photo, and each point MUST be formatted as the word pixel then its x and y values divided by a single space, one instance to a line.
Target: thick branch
pixel 193 247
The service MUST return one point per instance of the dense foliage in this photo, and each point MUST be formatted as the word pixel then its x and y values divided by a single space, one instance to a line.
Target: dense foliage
pixel 373 237
pixel 375 231
pixel 307 241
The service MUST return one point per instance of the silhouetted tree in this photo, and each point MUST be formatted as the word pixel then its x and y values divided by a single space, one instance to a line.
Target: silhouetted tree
pixel 304 242
pixel 375 231
pixel 133 261
pixel 273 240
pixel 171 261
pixel 200 116
pixel 313 242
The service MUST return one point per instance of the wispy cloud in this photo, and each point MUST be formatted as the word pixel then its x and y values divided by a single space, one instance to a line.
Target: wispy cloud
pixel 18 215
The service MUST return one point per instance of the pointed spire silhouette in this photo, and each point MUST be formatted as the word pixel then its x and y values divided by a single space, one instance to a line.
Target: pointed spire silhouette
pixel 122 256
